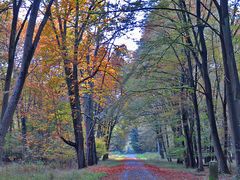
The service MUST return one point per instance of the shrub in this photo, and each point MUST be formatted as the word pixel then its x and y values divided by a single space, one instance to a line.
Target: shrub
pixel 101 147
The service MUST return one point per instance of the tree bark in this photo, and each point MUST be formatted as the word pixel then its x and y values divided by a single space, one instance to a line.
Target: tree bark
pixel 194 86
pixel 30 45
pixel 24 136
pixel 202 49
pixel 89 121
pixel 225 122
pixel 232 79
pixel 71 77
pixel 188 137
pixel 196 110
pixel 160 148
pixel 208 93
pixel 74 101
pixel 11 54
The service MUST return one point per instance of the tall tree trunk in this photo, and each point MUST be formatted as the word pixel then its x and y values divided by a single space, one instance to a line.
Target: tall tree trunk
pixel 208 93
pixel 95 157
pixel 202 49
pixel 71 77
pixel 188 138
pixel 185 19
pixel 30 45
pixel 77 120
pixel 232 79
pixel 160 147
pixel 74 100
pixel 163 149
pixel 74 87
pixel 225 120
pixel 89 121
pixel 185 123
pixel 225 127
pixel 196 110
pixel 24 136
pixel 108 137
pixel 11 54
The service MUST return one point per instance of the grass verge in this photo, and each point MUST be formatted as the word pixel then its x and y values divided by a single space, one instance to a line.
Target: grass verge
pixel 110 162
pixel 40 172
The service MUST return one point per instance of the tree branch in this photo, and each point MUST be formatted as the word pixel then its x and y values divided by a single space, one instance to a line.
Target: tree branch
pixel 70 143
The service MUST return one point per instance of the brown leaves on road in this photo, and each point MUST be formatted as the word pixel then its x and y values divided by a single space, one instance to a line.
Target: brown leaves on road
pixel 130 171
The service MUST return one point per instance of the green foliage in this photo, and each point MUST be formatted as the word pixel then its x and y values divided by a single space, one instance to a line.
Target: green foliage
pixel 119 136
pixel 101 147
pixel 43 129
pixel 134 140
pixel 178 150
pixel 13 148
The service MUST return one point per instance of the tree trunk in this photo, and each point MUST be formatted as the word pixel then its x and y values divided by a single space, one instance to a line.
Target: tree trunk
pixel 185 116
pixel 211 116
pixel 167 144
pixel 209 101
pixel 74 100
pixel 95 158
pixel 89 121
pixel 11 55
pixel 192 84
pixel 188 138
pixel 78 132
pixel 196 111
pixel 108 137
pixel 71 77
pixel 24 134
pixel 202 49
pixel 225 123
pixel 30 45
pixel 232 79
pixel 160 148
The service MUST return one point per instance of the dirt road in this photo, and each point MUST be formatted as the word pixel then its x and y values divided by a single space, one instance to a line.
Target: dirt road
pixel 135 170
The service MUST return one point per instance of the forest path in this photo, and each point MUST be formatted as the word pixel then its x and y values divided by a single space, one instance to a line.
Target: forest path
pixel 131 168
pixel 135 170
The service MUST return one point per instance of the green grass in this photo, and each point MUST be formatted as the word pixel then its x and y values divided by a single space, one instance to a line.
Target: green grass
pixel 154 159
pixel 109 163
pixel 40 172
pixel 165 164
pixel 148 156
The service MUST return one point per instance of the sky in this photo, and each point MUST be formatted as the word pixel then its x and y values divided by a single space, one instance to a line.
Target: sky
pixel 130 39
